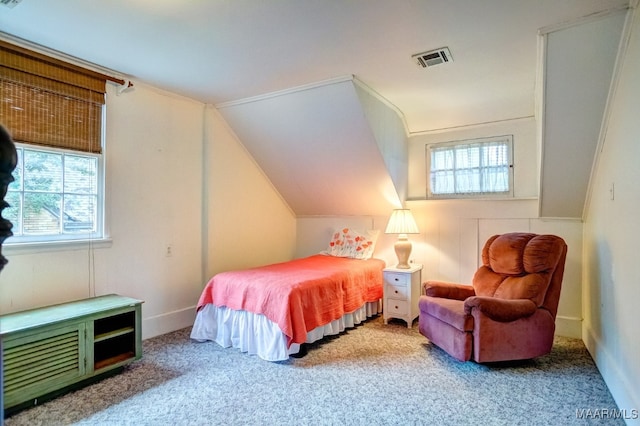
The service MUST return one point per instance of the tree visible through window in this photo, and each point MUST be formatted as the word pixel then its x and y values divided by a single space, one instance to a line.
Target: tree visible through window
pixel 470 168
pixel 54 195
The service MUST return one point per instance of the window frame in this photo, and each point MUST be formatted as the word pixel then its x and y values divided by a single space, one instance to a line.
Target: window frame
pixel 508 139
pixel 71 90
pixel 62 239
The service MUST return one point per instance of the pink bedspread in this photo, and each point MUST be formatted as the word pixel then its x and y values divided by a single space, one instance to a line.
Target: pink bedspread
pixel 299 295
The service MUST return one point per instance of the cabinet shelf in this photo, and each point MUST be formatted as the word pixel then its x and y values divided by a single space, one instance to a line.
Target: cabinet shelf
pixel 114 333
pixel 114 360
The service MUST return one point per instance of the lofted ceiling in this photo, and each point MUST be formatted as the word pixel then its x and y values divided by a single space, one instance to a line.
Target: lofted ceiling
pixel 331 148
pixel 223 52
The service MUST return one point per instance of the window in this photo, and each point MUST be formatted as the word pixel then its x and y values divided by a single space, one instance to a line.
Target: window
pixel 470 168
pixel 54 112
pixel 54 196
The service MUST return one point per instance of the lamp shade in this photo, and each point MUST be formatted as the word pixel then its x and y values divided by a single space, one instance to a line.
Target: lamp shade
pixel 401 222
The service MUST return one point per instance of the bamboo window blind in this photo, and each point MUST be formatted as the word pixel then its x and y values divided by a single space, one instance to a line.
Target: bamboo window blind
pixel 46 101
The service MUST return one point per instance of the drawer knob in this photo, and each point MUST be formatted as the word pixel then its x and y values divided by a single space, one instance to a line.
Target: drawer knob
pixel 396 306
pixel 396 279
pixel 396 291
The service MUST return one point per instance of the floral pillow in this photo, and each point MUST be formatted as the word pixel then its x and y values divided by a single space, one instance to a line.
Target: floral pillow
pixel 347 242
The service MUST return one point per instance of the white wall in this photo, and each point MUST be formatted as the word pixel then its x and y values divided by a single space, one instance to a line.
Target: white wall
pixel 153 186
pixel 452 232
pixel 156 196
pixel 526 156
pixel 611 285
pixel 248 222
pixel 313 234
pixel 154 182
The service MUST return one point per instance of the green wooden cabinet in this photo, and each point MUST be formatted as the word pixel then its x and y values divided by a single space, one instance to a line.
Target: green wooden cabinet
pixel 50 350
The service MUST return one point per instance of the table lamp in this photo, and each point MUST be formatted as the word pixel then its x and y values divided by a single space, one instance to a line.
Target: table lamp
pixel 402 223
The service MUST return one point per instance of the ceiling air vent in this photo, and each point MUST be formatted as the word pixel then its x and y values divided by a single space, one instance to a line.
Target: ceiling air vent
pixel 10 3
pixel 433 57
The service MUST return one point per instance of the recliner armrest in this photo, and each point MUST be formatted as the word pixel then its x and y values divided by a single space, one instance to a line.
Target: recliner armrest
pixel 503 310
pixel 448 290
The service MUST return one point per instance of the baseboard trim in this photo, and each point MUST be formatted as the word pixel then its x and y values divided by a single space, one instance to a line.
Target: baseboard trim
pixel 168 322
pixel 569 327
pixel 623 392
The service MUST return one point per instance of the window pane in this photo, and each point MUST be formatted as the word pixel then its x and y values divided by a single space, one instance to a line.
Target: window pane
pixel 42 171
pixel 495 179
pixel 12 213
pixel 441 160
pixel 80 174
pixel 467 156
pixel 16 185
pixel 495 154
pixel 442 182
pixel 80 213
pixel 41 213
pixel 467 181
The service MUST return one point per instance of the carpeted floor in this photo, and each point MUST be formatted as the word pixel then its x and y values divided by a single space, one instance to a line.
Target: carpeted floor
pixel 374 374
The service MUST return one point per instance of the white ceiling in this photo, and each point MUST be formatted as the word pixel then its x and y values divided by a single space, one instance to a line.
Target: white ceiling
pixel 218 51
pixel 265 64
pixel 318 148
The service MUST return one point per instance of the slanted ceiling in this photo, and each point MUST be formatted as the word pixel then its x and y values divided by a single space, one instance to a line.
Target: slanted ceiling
pixel 199 49
pixel 578 70
pixel 331 148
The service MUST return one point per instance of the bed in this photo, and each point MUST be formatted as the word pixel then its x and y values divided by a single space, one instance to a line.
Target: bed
pixel 270 311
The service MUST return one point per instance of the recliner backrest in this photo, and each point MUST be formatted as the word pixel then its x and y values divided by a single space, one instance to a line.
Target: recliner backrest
pixel 522 266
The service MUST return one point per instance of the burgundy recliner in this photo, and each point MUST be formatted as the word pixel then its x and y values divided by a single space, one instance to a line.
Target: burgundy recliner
pixel 509 312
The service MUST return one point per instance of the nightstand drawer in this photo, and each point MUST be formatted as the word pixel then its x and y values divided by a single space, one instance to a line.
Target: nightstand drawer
pixel 397 307
pixel 397 279
pixel 398 292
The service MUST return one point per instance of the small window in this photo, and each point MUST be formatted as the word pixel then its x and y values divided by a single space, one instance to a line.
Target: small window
pixel 55 196
pixel 477 168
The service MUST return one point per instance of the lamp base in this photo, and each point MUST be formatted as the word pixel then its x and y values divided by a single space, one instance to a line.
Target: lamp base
pixel 403 251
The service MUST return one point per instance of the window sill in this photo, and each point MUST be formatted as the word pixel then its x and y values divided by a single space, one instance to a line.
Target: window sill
pixel 473 199
pixel 17 249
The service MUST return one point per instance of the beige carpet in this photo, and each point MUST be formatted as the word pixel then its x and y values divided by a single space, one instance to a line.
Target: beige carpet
pixel 374 374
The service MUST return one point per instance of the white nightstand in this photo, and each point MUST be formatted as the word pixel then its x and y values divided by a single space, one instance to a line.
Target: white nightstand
pixel 401 293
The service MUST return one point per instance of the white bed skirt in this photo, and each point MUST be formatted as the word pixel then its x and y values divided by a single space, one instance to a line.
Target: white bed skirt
pixel 257 335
